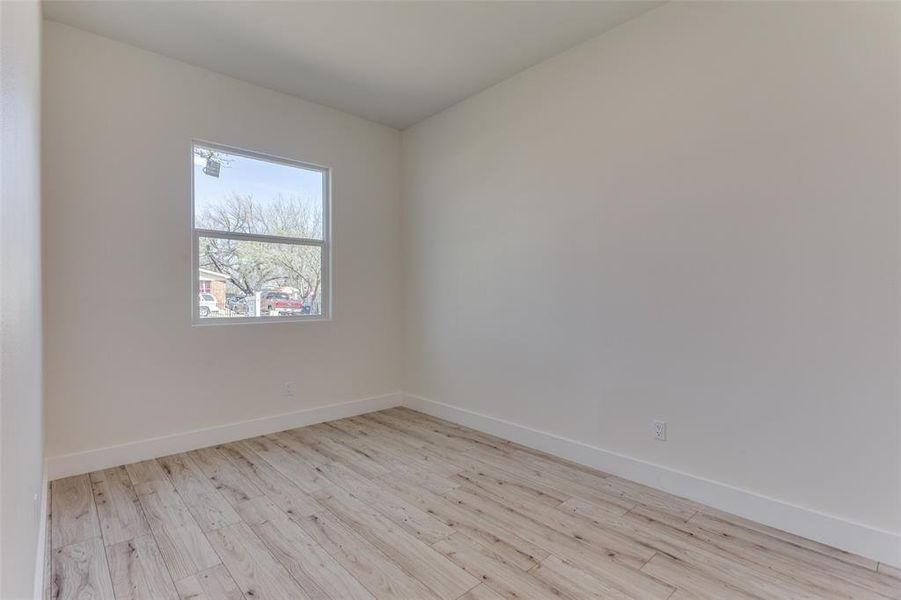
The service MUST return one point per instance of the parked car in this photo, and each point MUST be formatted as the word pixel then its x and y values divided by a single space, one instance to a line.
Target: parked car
pixel 279 304
pixel 207 304
pixel 237 304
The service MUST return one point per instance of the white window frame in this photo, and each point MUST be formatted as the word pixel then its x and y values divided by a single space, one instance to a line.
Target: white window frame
pixel 324 244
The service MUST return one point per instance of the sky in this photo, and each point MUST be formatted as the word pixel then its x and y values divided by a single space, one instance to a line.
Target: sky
pixel 264 180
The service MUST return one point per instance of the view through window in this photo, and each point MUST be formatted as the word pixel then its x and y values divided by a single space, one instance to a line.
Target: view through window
pixel 260 236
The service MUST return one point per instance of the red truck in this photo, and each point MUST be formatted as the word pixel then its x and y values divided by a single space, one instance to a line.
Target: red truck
pixel 279 304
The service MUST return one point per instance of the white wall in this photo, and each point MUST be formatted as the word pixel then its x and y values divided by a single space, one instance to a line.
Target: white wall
pixel 123 363
pixel 694 218
pixel 21 441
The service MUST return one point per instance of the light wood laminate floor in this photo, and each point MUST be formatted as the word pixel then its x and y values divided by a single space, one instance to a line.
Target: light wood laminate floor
pixel 397 504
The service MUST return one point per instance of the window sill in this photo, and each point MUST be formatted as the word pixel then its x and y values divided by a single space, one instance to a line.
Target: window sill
pixel 212 322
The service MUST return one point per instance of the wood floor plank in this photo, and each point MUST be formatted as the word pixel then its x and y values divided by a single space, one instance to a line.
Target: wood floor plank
pixel 376 424
pixel 544 479
pixel 402 454
pixel 503 541
pixel 424 526
pixel 649 499
pixel 324 450
pixel 483 441
pixel 294 444
pixel 351 427
pixel 686 577
pixel 426 480
pixel 683 595
pixel 542 519
pixel 496 458
pixel 477 439
pixel 208 507
pixel 398 505
pixel 233 485
pixel 318 573
pixel 519 448
pixel 579 583
pixel 409 431
pixel 412 454
pixel 368 449
pixel 812 569
pixel 145 473
pixel 889 570
pixel 183 546
pixel 138 572
pixel 253 567
pixel 670 536
pixel 596 511
pixel 493 571
pixel 414 556
pixel 558 533
pixel 300 472
pixel 79 571
pixel 329 440
pixel 215 583
pixel 74 517
pixel 509 487
pixel 481 592
pixel 449 438
pixel 564 469
pixel 679 541
pixel 803 543
pixel 719 558
pixel 565 476
pixel 307 476
pixel 281 490
pixel 606 564
pixel 120 512
pixel 382 577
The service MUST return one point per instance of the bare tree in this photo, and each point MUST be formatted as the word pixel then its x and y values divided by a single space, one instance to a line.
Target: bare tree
pixel 252 266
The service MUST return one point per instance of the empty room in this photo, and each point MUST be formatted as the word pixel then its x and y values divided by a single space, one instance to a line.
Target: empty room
pixel 450 300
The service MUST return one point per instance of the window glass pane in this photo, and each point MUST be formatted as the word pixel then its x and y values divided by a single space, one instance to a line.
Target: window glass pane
pixel 259 279
pixel 248 195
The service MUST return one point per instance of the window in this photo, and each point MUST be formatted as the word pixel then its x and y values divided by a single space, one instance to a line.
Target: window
pixel 260 231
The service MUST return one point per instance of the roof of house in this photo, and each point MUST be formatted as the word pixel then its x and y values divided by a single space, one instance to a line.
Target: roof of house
pixel 212 275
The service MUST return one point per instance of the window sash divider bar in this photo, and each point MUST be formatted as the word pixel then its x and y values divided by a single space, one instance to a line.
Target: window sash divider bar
pixel 255 237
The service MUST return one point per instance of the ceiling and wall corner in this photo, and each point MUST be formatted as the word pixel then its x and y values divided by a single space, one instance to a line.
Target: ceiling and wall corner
pixel 394 63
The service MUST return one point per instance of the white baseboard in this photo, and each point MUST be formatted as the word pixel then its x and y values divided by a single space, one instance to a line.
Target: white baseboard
pixel 879 545
pixel 112 456
pixel 39 572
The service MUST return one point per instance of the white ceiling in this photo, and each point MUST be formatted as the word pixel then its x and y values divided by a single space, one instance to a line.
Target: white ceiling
pixel 391 62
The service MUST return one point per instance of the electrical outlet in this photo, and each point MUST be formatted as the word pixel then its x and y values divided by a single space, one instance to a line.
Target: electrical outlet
pixel 660 430
pixel 288 389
